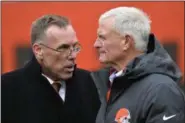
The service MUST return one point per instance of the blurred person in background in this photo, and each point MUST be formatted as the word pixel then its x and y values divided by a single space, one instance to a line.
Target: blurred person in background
pixel 139 84
pixel 50 88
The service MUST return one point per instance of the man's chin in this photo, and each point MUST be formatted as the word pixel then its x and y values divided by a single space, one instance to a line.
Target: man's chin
pixel 102 60
pixel 67 76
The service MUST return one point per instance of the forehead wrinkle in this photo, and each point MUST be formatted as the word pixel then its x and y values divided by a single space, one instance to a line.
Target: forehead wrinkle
pixel 106 26
pixel 65 35
pixel 51 32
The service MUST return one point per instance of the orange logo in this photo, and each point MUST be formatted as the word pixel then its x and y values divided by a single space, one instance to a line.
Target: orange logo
pixel 123 116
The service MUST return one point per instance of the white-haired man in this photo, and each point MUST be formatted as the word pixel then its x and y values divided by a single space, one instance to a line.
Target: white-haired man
pixel 142 86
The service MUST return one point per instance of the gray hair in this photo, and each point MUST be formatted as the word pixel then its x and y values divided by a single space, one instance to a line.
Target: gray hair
pixel 130 21
pixel 40 25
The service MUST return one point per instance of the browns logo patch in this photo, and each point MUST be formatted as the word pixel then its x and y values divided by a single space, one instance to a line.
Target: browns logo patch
pixel 123 116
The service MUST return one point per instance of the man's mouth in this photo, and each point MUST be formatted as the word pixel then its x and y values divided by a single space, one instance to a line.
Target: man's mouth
pixel 102 53
pixel 70 68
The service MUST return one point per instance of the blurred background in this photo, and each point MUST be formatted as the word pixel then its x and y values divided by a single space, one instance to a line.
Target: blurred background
pixel 17 17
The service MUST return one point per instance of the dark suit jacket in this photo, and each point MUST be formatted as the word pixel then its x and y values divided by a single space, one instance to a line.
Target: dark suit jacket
pixel 27 97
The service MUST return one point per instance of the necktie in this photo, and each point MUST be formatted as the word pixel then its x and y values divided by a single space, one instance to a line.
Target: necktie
pixel 108 94
pixel 109 83
pixel 56 85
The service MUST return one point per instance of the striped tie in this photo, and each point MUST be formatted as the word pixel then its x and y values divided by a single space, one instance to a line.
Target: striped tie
pixel 56 85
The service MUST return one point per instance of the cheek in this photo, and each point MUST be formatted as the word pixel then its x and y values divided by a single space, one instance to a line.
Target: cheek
pixel 53 59
pixel 113 51
pixel 47 57
pixel 59 61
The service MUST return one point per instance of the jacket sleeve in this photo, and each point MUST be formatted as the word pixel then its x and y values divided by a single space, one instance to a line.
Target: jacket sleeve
pixel 166 104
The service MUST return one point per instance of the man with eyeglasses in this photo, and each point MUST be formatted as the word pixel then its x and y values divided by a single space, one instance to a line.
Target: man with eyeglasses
pixel 50 88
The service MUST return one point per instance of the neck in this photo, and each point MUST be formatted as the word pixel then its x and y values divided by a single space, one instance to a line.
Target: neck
pixel 121 65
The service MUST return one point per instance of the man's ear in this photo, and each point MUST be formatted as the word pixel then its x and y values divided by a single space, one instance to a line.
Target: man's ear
pixel 126 42
pixel 37 50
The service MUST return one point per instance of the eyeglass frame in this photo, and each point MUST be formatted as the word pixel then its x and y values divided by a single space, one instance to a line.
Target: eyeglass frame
pixel 70 49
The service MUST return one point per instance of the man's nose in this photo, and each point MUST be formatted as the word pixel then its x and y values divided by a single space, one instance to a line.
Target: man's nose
pixel 73 55
pixel 97 44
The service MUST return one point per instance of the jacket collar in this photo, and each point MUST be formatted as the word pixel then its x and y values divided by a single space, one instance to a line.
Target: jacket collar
pixel 33 68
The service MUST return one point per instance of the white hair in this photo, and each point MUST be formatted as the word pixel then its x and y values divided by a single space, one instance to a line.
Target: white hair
pixel 130 21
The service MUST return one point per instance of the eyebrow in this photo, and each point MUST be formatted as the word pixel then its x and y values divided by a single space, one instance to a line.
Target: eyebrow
pixel 101 36
pixel 67 45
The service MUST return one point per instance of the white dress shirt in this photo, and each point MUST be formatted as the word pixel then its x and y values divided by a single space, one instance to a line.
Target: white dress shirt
pixel 114 75
pixel 62 91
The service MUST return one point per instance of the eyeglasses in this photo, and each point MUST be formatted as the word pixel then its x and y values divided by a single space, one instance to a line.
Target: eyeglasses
pixel 65 48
